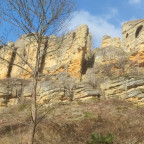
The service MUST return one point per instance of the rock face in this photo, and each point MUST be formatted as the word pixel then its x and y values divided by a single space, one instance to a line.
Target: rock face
pixel 70 70
pixel 56 54
pixel 108 41
pixel 109 54
pixel 132 35
pixel 69 57
pixel 13 91
pixel 7 55
pixel 133 42
pixel 130 88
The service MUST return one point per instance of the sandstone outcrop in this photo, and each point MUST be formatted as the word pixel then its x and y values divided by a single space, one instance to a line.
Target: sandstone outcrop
pixel 109 54
pixel 4 65
pixel 130 88
pixel 57 54
pixel 132 35
pixel 51 91
pixel 70 70
pixel 108 41
pixel 13 91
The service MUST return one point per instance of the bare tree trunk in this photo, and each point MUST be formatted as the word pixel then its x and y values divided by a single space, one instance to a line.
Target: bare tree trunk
pixel 34 94
pixel 34 111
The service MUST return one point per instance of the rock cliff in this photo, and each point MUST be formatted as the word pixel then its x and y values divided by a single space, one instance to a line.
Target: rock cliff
pixel 108 41
pixel 13 91
pixel 70 70
pixel 58 54
pixel 130 88
pixel 132 35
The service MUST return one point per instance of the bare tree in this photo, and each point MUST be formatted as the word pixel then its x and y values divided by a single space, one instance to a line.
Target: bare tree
pixel 38 17
pixel 122 61
pixel 115 61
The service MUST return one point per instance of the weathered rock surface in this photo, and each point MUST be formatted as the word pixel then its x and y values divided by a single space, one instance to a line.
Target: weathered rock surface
pixel 109 54
pixel 108 41
pixel 85 90
pixel 132 42
pixel 132 35
pixel 13 91
pixel 86 70
pixel 6 54
pixel 130 88
pixel 57 54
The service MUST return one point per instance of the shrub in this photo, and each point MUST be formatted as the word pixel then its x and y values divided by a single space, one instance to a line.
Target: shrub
pixel 24 105
pixel 101 139
pixel 88 115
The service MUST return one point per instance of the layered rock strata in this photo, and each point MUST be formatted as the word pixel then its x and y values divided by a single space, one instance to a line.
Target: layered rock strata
pixel 12 91
pixel 71 54
pixel 130 88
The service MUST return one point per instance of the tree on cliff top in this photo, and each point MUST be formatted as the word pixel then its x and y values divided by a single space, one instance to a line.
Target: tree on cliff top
pixel 41 17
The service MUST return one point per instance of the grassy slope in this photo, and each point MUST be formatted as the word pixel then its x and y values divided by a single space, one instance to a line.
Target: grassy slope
pixel 72 123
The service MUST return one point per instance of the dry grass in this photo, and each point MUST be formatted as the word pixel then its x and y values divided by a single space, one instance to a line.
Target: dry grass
pixel 72 123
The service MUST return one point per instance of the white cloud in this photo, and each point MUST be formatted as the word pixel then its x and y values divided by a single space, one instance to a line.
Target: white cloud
pixel 98 26
pixel 134 1
pixel 111 14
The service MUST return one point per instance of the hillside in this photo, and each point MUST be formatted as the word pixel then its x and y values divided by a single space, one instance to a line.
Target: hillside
pixel 74 122
pixel 79 90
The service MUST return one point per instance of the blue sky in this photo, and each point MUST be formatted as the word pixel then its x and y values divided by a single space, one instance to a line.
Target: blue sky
pixel 106 16
pixel 103 17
